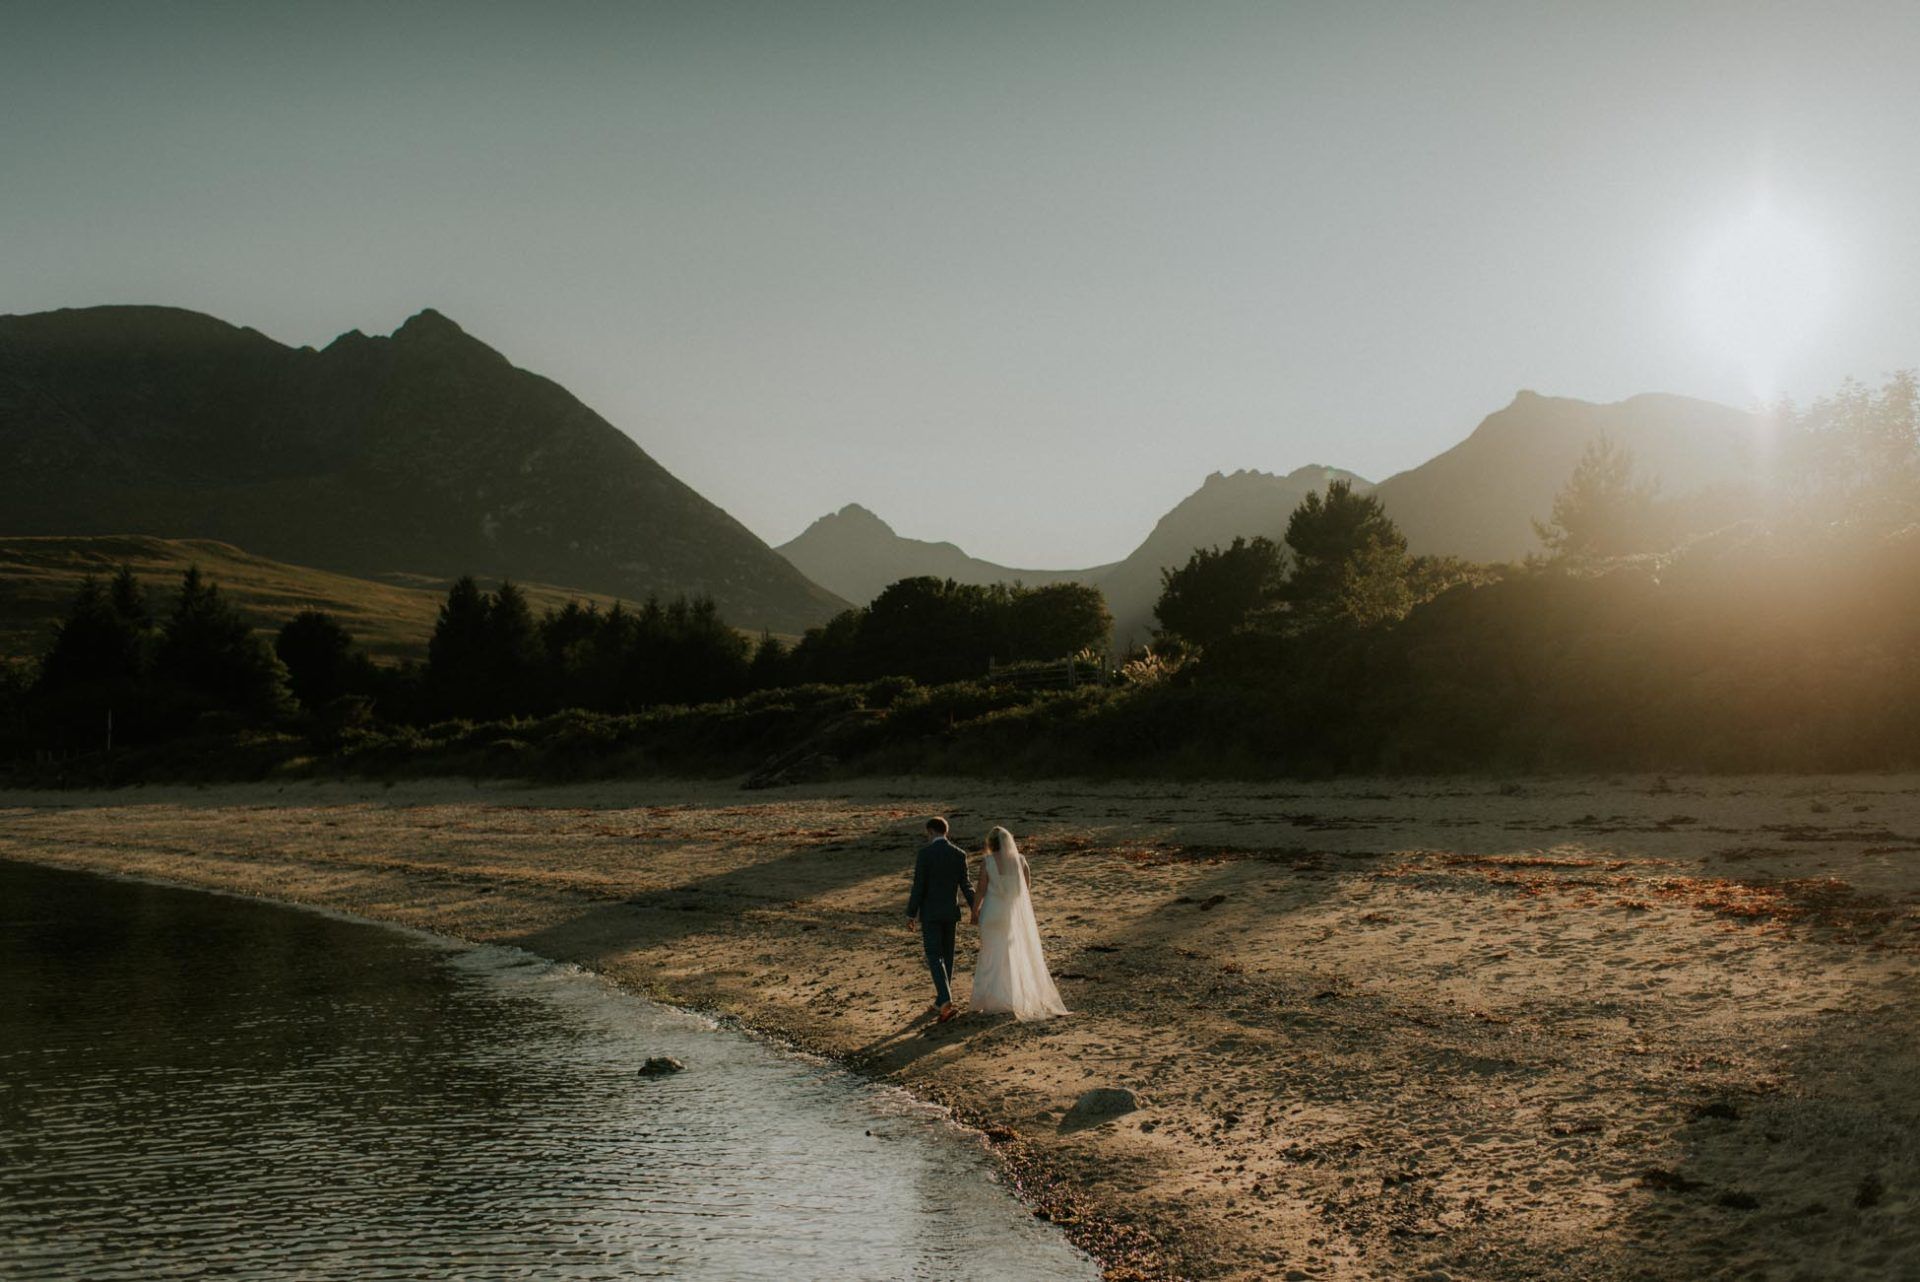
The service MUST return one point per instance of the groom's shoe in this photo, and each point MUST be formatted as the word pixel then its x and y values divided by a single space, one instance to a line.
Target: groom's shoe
pixel 947 1012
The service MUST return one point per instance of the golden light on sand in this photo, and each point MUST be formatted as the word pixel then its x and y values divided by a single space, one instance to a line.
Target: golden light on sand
pixel 1761 287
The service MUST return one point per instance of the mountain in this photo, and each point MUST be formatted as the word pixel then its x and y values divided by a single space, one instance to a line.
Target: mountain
pixel 1478 499
pixel 1225 507
pixel 425 452
pixel 856 554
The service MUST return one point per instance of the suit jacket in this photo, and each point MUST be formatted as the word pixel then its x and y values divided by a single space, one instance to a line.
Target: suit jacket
pixel 939 874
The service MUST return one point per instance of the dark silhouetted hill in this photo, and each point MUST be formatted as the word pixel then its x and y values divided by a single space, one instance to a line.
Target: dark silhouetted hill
pixel 1477 500
pixel 856 554
pixel 423 453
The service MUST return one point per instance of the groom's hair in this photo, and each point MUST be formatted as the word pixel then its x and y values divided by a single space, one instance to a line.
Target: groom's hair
pixel 937 826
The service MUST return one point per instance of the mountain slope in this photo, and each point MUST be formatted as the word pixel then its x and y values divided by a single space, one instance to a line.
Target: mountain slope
pixel 425 452
pixel 1478 499
pixel 856 554
pixel 1227 506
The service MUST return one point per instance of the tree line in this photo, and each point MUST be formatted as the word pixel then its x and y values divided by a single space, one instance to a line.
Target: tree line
pixel 118 671
pixel 937 631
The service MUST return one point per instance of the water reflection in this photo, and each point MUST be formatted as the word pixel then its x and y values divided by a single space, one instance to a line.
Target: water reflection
pixel 198 1086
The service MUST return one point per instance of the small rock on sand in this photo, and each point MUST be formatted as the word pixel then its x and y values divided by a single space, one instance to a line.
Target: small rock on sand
pixel 1099 1104
pixel 661 1066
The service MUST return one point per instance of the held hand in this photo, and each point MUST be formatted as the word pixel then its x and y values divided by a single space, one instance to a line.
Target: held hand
pixel 913 923
pixel 974 918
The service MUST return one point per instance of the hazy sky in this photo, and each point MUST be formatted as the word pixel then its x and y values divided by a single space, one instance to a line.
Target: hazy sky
pixel 1013 275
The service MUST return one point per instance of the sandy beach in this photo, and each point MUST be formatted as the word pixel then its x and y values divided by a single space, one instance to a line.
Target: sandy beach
pixel 1461 1029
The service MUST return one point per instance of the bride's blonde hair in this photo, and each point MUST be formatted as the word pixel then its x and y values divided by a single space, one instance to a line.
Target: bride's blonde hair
pixel 998 838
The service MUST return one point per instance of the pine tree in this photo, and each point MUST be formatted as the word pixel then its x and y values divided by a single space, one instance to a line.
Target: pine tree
pixel 95 648
pixel 514 653
pixel 568 654
pixel 1602 510
pixel 208 658
pixel 129 599
pixel 92 684
pixel 457 651
pixel 318 654
pixel 768 670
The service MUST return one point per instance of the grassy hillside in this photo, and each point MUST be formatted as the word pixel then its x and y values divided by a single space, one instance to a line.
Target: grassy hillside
pixel 39 576
pixel 425 451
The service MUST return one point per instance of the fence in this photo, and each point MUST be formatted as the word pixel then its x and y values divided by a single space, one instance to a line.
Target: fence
pixel 1063 674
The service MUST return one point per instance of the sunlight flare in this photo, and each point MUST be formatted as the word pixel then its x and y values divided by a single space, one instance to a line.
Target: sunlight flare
pixel 1761 286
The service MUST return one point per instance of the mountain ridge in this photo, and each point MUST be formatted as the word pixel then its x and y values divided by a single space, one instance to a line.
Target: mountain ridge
pixel 856 553
pixel 427 452
pixel 424 451
pixel 1477 499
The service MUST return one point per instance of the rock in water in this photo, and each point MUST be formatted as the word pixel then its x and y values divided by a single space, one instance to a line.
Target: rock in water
pixel 661 1066
pixel 1099 1104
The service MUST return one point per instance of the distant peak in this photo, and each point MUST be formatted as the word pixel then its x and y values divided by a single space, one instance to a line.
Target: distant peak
pixel 851 519
pixel 853 516
pixel 1325 472
pixel 429 334
pixel 1250 478
pixel 1239 474
pixel 427 323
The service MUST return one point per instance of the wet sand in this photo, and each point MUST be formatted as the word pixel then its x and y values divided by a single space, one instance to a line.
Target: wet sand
pixel 1573 1028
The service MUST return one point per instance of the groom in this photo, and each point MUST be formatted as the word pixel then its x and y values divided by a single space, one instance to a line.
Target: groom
pixel 939 872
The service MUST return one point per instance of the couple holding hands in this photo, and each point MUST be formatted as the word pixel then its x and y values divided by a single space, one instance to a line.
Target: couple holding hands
pixel 1010 973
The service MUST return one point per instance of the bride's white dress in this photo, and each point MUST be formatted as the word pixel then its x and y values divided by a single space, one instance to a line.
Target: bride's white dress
pixel 1010 973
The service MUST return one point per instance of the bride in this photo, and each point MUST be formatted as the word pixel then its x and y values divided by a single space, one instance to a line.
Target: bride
pixel 1010 973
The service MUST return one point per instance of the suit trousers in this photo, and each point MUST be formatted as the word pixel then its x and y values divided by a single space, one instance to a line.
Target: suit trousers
pixel 938 937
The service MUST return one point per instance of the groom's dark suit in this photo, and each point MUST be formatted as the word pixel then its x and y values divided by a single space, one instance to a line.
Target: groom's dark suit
pixel 939 874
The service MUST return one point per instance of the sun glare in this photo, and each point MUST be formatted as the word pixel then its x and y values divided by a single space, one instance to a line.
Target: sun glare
pixel 1760 289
